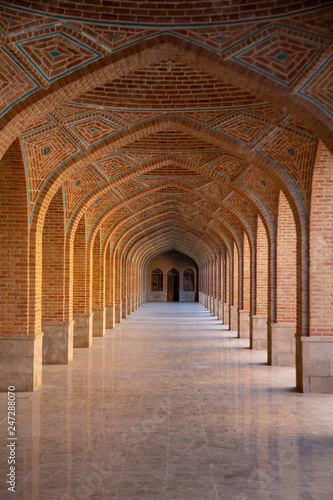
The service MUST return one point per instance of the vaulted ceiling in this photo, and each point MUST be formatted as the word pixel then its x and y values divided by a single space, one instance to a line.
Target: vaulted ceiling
pixel 167 125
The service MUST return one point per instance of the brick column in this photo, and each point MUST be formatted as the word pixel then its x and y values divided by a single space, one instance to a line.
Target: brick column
pixel 244 313
pixel 283 331
pixel 258 326
pixel 57 321
pixel 315 353
pixel 98 287
pixel 21 335
pixel 83 318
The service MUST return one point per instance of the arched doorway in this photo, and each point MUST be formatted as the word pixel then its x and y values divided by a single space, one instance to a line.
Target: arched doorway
pixel 173 285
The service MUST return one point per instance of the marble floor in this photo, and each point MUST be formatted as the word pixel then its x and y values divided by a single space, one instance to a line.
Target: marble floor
pixel 170 405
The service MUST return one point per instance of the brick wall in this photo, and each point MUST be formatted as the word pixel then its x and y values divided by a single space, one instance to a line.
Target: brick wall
pixel 285 264
pixel 321 245
pixel 262 269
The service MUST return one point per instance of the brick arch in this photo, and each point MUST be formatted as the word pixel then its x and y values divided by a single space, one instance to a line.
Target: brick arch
pixel 134 240
pixel 154 50
pixel 161 244
pixel 153 189
pixel 154 227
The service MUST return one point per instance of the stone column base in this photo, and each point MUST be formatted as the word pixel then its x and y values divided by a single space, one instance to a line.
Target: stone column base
pixel 99 322
pixel 283 344
pixel 225 313
pixel 58 342
pixel 243 324
pixel 315 364
pixel 118 311
pixel 83 328
pixel 21 361
pixel 258 332
pixel 220 311
pixel 233 318
pixel 110 318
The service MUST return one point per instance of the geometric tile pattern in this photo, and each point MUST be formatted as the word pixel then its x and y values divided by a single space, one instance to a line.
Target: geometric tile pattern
pixel 43 154
pixel 57 54
pixel 244 129
pixel 77 187
pixel 279 56
pixel 180 134
pixel 319 87
pixel 15 83
pixel 114 166
pixel 264 188
pixel 295 154
pixel 94 130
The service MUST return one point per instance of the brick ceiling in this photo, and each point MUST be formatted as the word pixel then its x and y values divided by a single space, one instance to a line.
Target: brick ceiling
pixel 168 125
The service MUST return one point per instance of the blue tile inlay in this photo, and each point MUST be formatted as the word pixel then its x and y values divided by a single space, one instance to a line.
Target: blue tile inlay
pixel 291 151
pixel 96 201
pixel 46 150
pixel 219 37
pixel 78 183
pixel 263 183
pixel 282 57
pixel 245 129
pixel 93 130
pixel 55 53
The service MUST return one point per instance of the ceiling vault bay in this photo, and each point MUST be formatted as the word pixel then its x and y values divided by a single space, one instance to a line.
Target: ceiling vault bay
pixel 166 137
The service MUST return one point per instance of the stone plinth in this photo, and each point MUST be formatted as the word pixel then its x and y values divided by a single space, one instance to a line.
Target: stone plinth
pixel 243 324
pixel 118 311
pixel 58 342
pixel 225 313
pixel 283 344
pixel 110 317
pixel 21 359
pixel 99 322
pixel 233 318
pixel 315 364
pixel 258 332
pixel 220 311
pixel 83 328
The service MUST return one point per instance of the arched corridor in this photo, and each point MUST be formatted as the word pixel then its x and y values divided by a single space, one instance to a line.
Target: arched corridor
pixel 170 405
pixel 163 164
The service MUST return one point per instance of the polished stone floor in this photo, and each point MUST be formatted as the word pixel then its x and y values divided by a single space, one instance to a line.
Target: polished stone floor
pixel 170 406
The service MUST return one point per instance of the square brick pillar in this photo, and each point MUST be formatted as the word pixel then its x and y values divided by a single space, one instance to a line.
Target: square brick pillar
pixel 83 330
pixel 21 359
pixel 225 313
pixel 220 311
pixel 129 306
pixel 233 318
pixel 124 309
pixel 283 344
pixel 118 311
pixel 216 307
pixel 58 342
pixel 258 332
pixel 99 322
pixel 315 364
pixel 243 324
pixel 133 303
pixel 110 317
